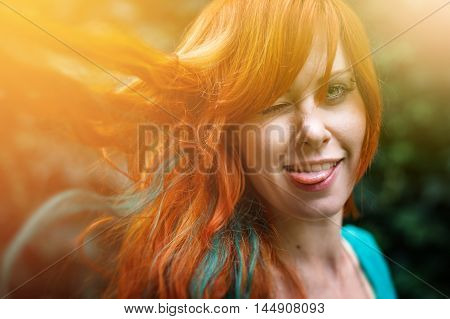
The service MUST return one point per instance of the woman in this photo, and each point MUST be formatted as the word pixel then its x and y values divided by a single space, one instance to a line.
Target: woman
pixel 260 216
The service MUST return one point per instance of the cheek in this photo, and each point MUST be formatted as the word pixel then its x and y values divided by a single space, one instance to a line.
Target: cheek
pixel 349 126
pixel 274 138
pixel 262 148
pixel 357 126
pixel 353 133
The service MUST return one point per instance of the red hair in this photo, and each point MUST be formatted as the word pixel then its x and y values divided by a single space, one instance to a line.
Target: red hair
pixel 184 233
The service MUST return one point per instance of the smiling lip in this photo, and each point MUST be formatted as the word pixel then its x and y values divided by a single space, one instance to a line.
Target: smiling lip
pixel 314 181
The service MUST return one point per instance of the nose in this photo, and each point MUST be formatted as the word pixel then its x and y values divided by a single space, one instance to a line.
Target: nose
pixel 313 133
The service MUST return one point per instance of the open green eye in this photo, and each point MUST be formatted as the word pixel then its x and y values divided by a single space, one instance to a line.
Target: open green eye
pixel 337 92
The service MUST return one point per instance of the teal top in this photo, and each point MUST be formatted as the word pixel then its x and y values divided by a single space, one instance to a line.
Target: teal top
pixel 372 261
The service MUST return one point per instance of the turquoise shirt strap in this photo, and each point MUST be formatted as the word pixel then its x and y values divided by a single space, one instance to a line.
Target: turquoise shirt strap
pixel 371 260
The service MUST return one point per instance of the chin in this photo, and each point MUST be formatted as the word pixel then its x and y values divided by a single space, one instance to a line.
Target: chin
pixel 325 207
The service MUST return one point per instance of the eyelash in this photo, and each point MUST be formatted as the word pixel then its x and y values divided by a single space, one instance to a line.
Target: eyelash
pixel 345 90
pixel 275 107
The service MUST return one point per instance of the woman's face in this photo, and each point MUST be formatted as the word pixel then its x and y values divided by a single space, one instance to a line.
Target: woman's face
pixel 300 157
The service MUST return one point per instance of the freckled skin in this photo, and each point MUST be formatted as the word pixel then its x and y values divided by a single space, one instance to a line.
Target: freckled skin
pixel 329 130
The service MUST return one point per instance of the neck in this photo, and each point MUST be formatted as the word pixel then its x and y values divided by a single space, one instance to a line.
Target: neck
pixel 315 243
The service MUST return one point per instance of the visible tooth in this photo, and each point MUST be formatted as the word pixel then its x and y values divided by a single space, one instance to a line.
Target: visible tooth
pixel 312 168
pixel 305 168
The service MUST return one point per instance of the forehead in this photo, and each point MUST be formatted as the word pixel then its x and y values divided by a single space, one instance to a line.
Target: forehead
pixel 315 65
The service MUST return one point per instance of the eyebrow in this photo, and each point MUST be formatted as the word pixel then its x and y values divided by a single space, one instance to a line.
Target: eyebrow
pixel 337 73
pixel 333 74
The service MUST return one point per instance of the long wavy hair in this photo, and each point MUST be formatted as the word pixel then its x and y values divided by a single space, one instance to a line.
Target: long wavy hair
pixel 176 231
